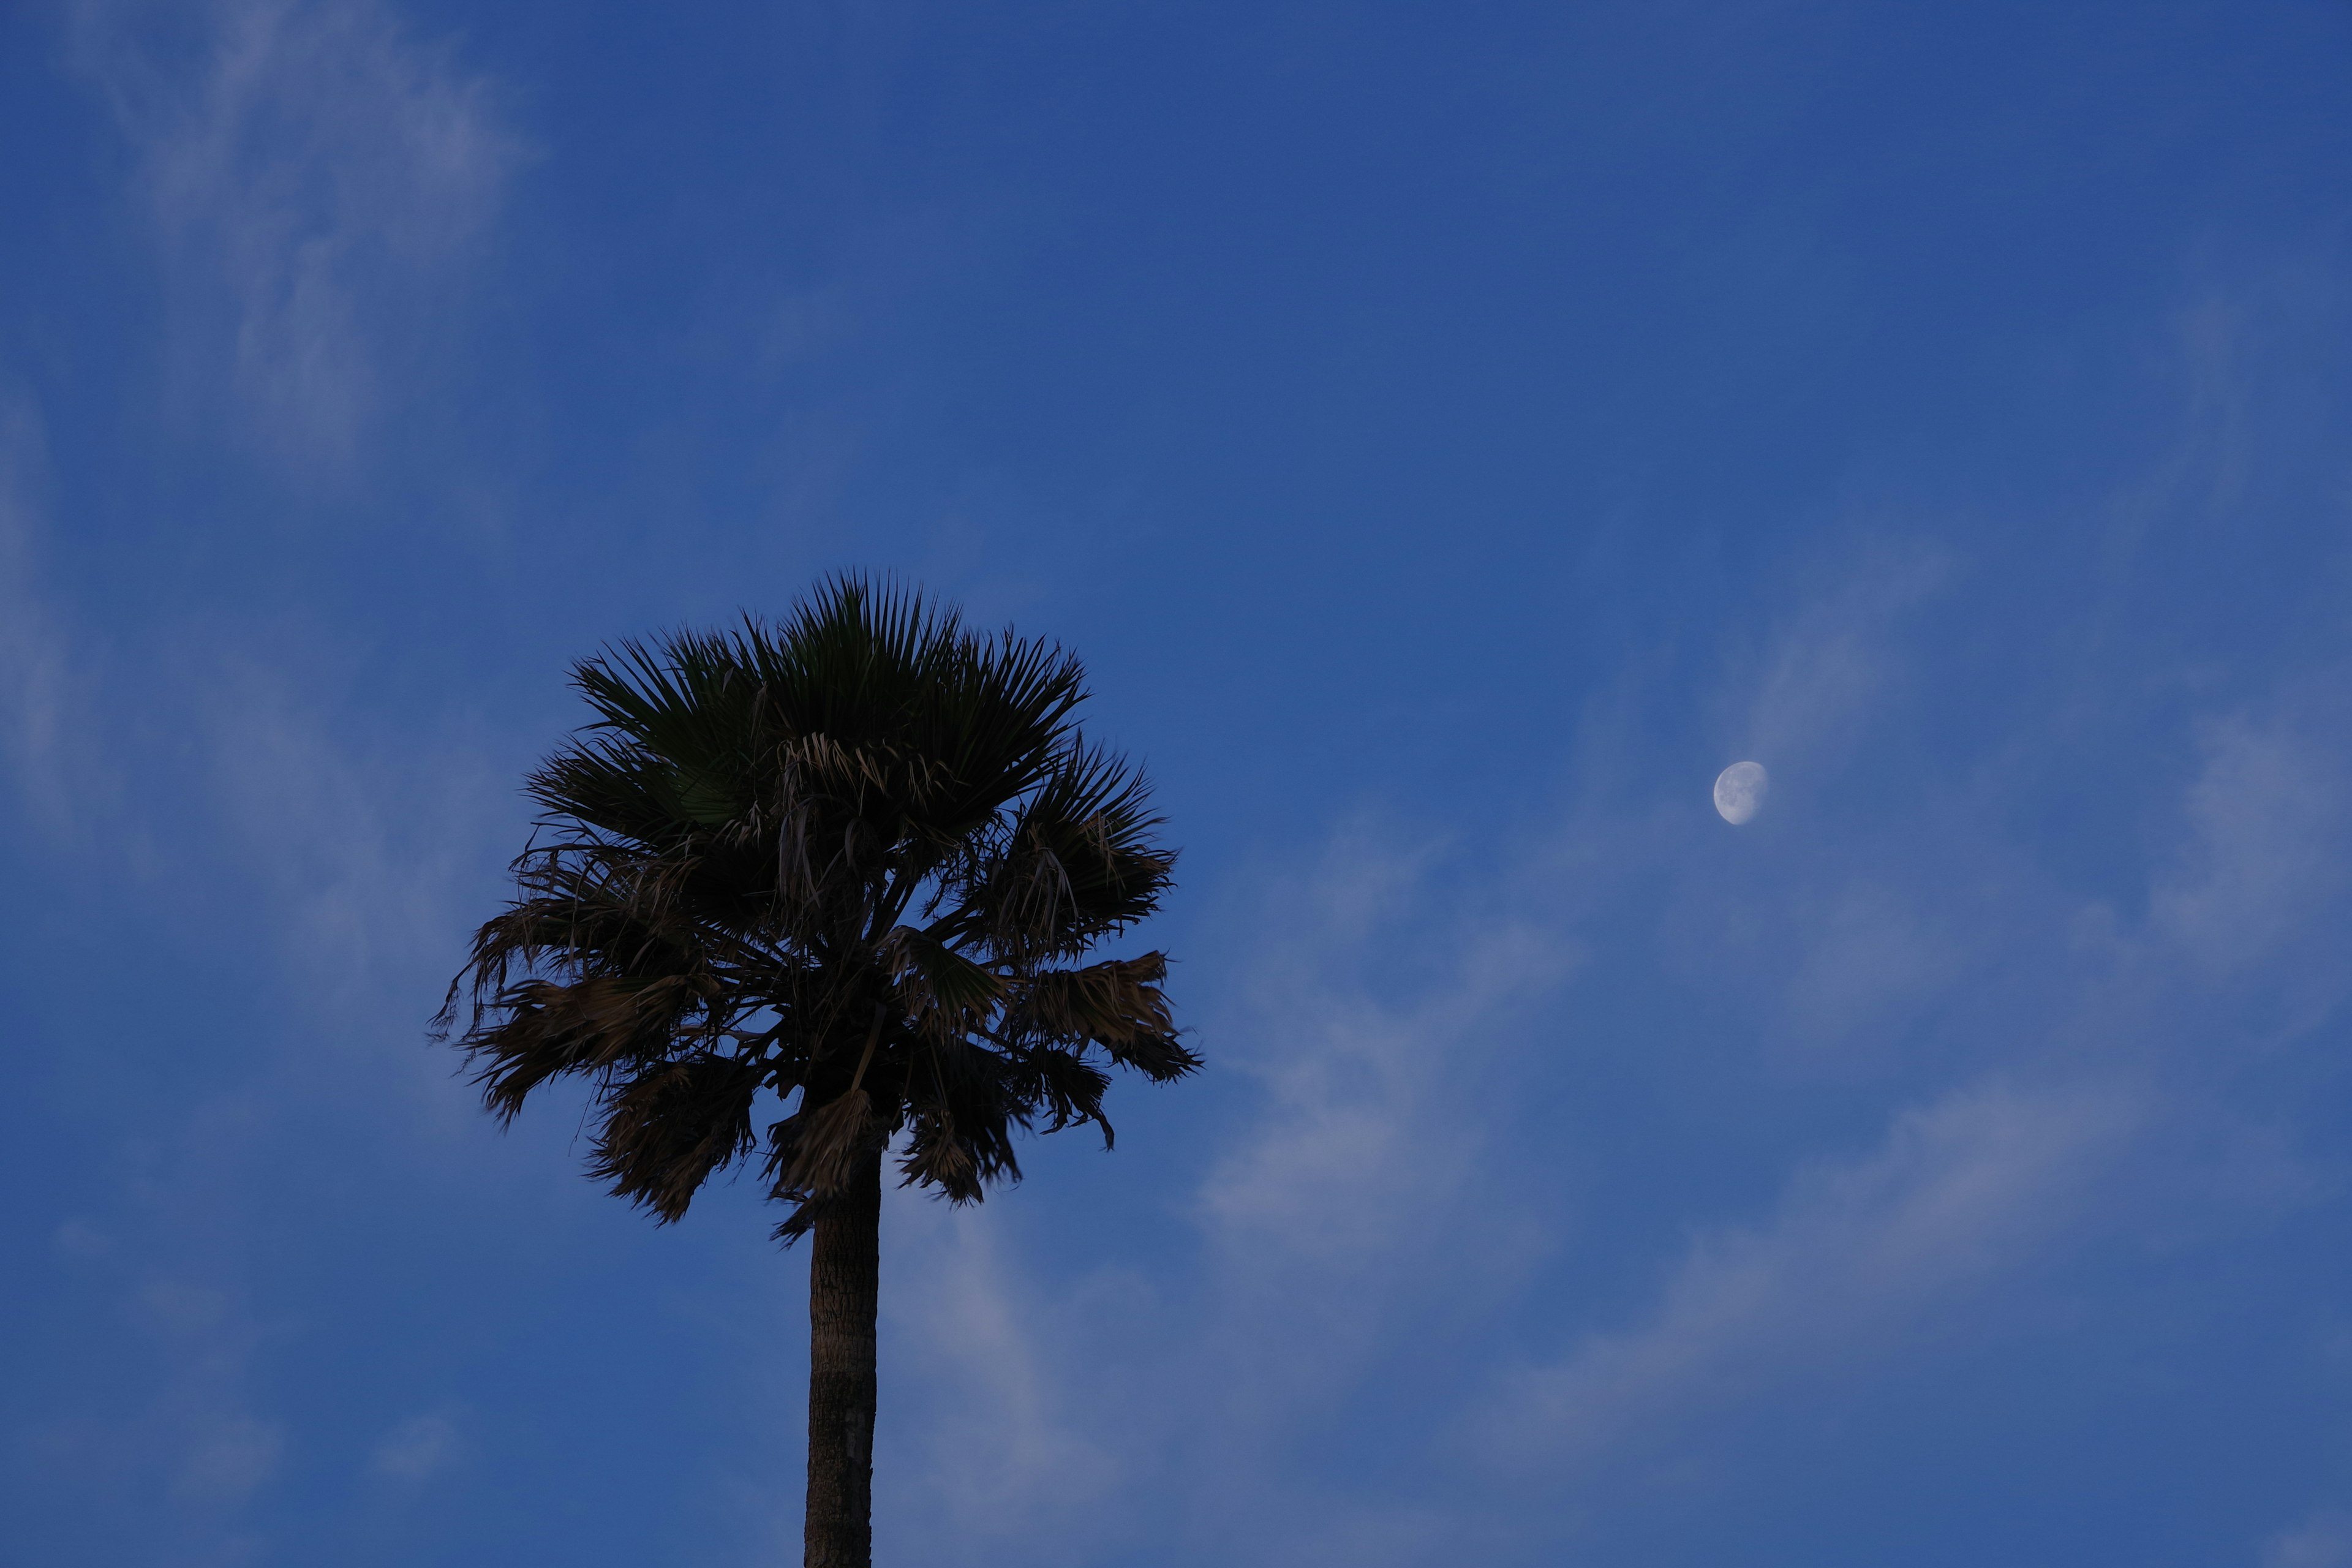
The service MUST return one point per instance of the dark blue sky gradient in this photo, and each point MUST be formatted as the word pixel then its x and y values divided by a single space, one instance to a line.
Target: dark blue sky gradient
pixel 1450 435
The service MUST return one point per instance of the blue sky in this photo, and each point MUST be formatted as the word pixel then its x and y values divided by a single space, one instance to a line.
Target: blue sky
pixel 1451 435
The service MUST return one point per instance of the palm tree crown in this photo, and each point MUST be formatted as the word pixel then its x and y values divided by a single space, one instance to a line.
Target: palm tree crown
pixel 857 858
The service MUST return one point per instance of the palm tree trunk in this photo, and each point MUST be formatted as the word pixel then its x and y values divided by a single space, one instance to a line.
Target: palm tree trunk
pixel 844 1270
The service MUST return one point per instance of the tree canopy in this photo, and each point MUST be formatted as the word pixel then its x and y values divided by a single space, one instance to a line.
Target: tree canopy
pixel 854 862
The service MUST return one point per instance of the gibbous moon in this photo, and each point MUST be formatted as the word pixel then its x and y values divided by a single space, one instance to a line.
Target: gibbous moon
pixel 1740 790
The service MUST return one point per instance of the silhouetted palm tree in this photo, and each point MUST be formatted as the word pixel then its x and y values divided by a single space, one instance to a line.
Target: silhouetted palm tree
pixel 851 868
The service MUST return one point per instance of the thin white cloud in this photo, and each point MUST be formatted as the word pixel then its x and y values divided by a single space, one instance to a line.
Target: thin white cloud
pixel 352 846
pixel 1358 1180
pixel 364 843
pixel 416 1448
pixel 1005 1453
pixel 1365 1129
pixel 1870 950
pixel 1960 1196
pixel 41 735
pixel 2323 1540
pixel 2265 841
pixel 1055 1414
pixel 310 167
pixel 1374 1208
pixel 194 1440
pixel 1824 669
pixel 227 1459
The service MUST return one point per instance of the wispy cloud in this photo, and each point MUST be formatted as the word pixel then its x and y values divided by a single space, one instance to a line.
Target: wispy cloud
pixel 239 803
pixel 1368 1124
pixel 1390 1199
pixel 1052 1414
pixel 418 1448
pixel 1959 1196
pixel 1871 950
pixel 2265 845
pixel 230 1457
pixel 193 1446
pixel 1006 1454
pixel 346 856
pixel 2323 1540
pixel 363 841
pixel 43 735
pixel 1828 663
pixel 311 169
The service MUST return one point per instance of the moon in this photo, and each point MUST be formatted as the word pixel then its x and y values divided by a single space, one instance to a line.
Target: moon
pixel 1739 791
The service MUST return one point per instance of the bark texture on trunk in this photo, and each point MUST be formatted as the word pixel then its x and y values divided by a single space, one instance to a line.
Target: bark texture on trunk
pixel 844 1279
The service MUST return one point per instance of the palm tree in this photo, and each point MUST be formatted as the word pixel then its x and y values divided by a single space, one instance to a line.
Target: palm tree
pixel 850 869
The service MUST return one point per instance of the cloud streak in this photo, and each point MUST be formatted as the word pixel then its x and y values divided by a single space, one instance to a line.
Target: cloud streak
pixel 2264 847
pixel 1960 1196
pixel 312 171
pixel 36 679
pixel 1394 1197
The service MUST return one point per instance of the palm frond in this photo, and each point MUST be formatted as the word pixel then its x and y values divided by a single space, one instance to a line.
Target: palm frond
pixel 937 985
pixel 668 1126
pixel 1116 1004
pixel 813 1152
pixel 961 1114
pixel 1078 862
pixel 719 893
pixel 543 1030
